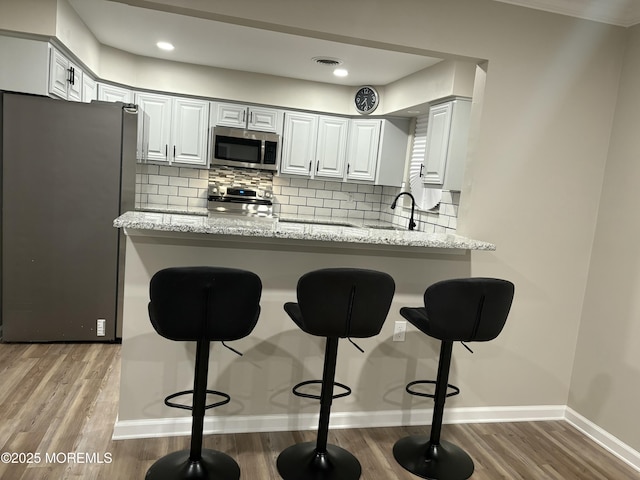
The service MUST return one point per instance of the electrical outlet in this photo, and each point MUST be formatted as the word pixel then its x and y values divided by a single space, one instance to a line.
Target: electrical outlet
pixel 399 330
pixel 100 327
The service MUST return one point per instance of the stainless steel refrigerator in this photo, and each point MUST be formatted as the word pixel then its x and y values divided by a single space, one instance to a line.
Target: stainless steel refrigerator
pixel 68 169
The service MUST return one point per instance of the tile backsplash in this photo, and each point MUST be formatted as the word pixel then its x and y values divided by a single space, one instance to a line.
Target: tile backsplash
pixel 163 186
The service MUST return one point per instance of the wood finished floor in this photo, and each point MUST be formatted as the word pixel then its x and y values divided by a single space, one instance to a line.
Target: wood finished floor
pixel 58 398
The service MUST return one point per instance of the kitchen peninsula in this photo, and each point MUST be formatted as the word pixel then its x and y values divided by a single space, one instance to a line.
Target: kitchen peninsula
pixel 276 354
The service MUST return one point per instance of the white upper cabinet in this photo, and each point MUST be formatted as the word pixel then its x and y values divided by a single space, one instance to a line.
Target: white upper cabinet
pixel 243 116
pixel 172 130
pixel 446 145
pixel 89 89
pixel 112 93
pixel 299 140
pixel 362 153
pixel 331 152
pixel 314 145
pixel 65 77
pixel 189 131
pixel 154 127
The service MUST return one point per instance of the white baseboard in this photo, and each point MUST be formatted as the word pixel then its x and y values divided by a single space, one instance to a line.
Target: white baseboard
pixel 166 427
pixel 604 438
pixel 148 428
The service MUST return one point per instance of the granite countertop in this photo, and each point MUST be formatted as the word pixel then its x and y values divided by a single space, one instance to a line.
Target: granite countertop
pixel 295 228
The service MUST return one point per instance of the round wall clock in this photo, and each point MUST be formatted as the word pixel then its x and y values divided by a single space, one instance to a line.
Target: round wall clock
pixel 366 99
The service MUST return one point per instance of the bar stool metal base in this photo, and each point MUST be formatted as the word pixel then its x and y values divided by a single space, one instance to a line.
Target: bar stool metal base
pixel 303 462
pixel 444 461
pixel 213 465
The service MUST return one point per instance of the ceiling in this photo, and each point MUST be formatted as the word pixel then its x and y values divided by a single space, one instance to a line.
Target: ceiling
pixel 207 42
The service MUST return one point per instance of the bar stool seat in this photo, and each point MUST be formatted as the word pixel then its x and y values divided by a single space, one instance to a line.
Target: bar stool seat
pixel 466 310
pixel 333 303
pixel 201 304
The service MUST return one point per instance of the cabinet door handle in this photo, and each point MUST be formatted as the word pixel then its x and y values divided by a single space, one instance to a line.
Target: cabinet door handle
pixel 174 152
pixel 317 165
pixel 244 116
pixel 166 151
pixel 250 118
pixel 309 165
pixel 348 167
pixel 421 167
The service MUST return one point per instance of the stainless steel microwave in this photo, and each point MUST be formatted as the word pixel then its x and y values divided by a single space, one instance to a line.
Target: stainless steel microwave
pixel 237 147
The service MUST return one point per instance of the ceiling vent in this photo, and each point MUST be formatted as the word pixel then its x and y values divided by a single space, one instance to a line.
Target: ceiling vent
pixel 328 61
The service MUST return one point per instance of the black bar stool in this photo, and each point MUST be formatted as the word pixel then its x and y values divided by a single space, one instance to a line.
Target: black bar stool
pixel 333 303
pixel 201 304
pixel 466 310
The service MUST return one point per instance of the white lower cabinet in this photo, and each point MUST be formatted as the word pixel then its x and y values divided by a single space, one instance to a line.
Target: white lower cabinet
pixel 172 130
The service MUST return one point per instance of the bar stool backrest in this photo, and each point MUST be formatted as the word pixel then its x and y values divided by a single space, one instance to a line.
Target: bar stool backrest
pixel 468 309
pixel 204 303
pixel 344 302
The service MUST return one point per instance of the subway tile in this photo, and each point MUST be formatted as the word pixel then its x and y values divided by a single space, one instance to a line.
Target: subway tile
pixel 315 202
pixel 349 187
pixel 316 184
pixel 151 169
pixel 158 199
pixel 347 205
pixel 283 199
pixel 357 197
pixel 158 180
pixel 293 191
pixel 187 192
pixel 324 194
pixel 364 206
pixel 337 213
pixel 333 186
pixel 152 189
pixel 299 182
pixel 373 197
pixel 323 212
pixel 276 189
pixel 344 196
pixel 372 215
pixel 167 190
pixel 307 192
pixel 170 171
pixel 306 211
pixel 289 209
pixel 179 201
pixel 355 214
pixel 331 203
pixel 298 201
pixel 362 188
pixel 179 181
pixel 189 172
pixel 198 183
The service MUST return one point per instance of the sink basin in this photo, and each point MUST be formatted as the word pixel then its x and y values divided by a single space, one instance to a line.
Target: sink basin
pixel 384 227
pixel 318 222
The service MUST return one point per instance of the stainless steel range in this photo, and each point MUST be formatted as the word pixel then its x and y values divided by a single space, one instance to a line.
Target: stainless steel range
pixel 240 201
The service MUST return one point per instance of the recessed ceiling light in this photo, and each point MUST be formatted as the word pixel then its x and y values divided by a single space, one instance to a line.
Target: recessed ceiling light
pixel 165 46
pixel 340 72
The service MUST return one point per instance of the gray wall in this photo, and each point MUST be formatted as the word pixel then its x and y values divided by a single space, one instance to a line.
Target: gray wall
pixel 533 187
pixel 605 385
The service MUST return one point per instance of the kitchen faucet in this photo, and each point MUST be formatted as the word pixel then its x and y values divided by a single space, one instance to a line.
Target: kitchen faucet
pixel 412 224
